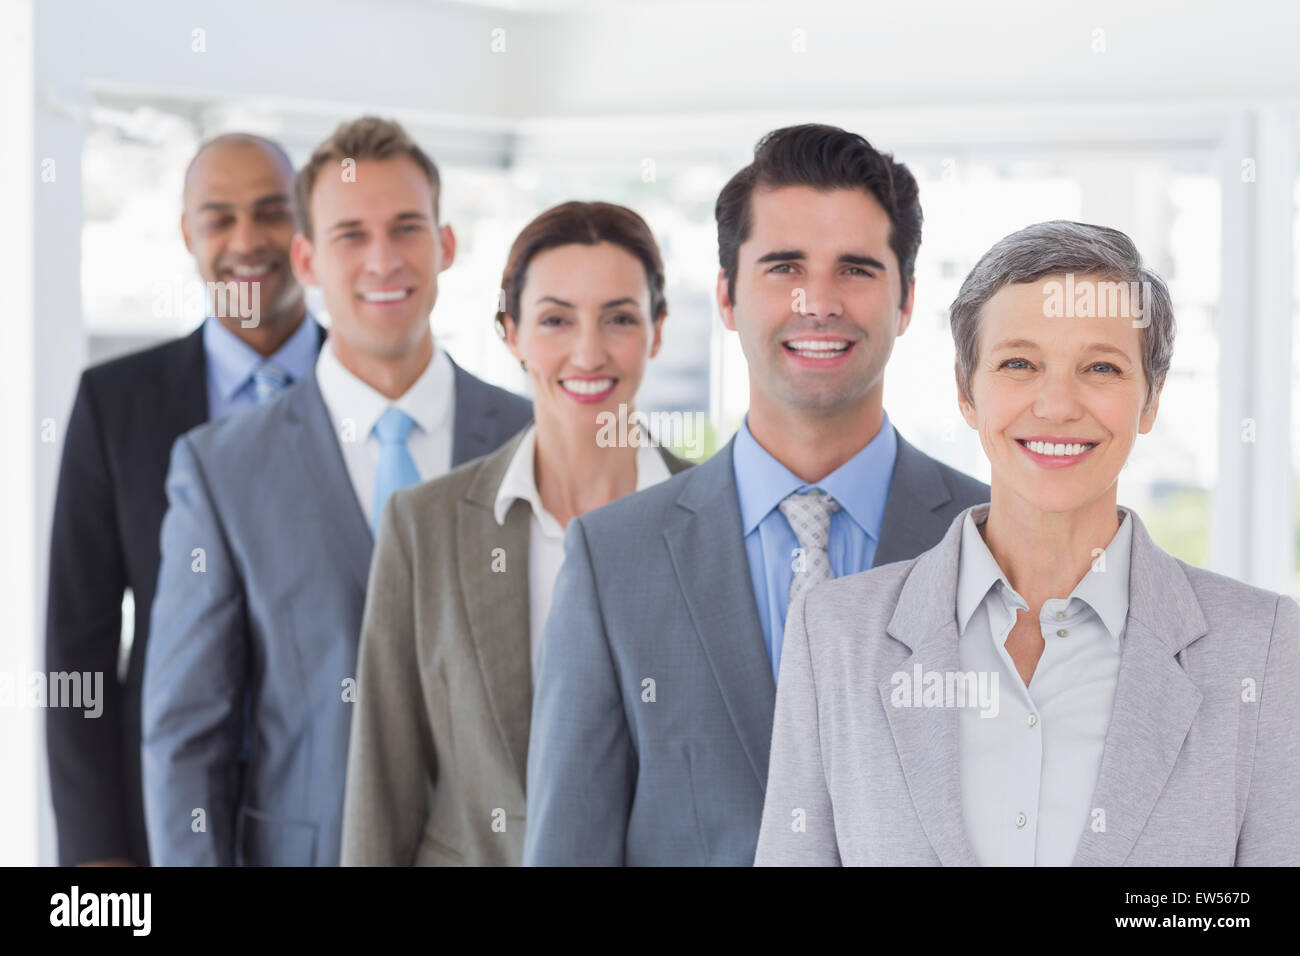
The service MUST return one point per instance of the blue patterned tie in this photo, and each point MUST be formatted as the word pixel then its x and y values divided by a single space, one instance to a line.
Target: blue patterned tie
pixel 269 380
pixel 396 467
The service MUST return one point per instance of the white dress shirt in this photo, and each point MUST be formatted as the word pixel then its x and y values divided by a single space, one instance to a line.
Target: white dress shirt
pixel 354 407
pixel 545 534
pixel 1028 773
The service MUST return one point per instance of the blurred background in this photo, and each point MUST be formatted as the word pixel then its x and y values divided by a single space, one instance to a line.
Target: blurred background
pixel 1176 122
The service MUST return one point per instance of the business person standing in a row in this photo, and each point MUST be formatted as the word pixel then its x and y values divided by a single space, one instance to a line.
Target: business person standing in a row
pixel 237 223
pixel 652 712
pixel 266 544
pixel 1118 707
pixel 464 565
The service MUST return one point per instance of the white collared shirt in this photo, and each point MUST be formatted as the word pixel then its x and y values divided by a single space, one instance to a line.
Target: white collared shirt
pixel 354 407
pixel 545 534
pixel 1028 773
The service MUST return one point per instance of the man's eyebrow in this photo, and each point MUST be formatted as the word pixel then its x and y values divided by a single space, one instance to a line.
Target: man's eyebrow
pixel 345 224
pixel 411 214
pixel 795 255
pixel 781 255
pixel 216 206
pixel 869 262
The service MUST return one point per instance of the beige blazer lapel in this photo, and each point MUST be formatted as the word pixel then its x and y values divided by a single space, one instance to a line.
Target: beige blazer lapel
pixel 1155 703
pixel 926 738
pixel 493 570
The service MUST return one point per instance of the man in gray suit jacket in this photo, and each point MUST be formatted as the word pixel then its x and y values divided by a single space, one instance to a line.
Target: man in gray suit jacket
pixel 266 544
pixel 653 706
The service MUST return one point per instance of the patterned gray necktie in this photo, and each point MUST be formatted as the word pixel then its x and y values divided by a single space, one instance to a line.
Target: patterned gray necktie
pixel 269 380
pixel 810 517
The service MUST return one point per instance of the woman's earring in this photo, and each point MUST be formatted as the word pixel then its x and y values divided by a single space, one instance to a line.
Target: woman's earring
pixel 522 365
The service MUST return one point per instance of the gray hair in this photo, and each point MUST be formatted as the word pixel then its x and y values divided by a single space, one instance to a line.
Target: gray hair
pixel 1061 247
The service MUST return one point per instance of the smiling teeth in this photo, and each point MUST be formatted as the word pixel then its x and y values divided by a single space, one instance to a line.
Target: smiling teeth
pixel 816 348
pixel 588 387
pixel 1064 451
pixel 395 296
pixel 250 272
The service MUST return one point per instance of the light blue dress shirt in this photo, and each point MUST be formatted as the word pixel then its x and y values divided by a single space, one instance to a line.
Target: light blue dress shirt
pixel 860 485
pixel 230 362
pixel 1030 756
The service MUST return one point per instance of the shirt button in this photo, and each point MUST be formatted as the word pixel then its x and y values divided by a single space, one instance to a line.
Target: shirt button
pixel 1062 633
pixel 1033 720
pixel 1060 615
pixel 1021 820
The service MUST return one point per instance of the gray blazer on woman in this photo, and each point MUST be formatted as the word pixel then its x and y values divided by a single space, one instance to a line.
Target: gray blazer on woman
pixel 439 741
pixel 1202 756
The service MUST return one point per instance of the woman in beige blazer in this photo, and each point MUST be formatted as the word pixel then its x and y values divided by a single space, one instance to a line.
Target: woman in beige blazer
pixel 1045 686
pixel 461 578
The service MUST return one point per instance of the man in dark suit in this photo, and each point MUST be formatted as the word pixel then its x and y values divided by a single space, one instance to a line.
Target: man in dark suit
pixel 238 223
pixel 652 712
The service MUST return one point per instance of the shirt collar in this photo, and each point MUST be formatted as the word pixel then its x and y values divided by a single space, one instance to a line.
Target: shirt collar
pixel 1105 591
pixel 231 360
pixel 860 485
pixel 520 481
pixel 428 401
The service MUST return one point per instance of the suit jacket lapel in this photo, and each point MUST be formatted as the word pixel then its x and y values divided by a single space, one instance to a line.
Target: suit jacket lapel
pixel 927 737
pixel 1155 703
pixel 707 545
pixel 912 519
pixel 474 417
pixel 317 447
pixel 185 400
pixel 496 602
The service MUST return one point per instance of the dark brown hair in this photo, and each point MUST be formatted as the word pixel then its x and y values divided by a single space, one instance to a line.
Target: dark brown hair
pixel 369 137
pixel 585 223
pixel 823 157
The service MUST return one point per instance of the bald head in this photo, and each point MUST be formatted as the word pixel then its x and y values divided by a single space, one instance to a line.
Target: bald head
pixel 227 144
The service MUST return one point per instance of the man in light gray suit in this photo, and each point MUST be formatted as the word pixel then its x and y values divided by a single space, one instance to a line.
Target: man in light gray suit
pixel 653 706
pixel 267 540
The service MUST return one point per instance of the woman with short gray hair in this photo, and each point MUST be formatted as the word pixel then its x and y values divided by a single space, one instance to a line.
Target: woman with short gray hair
pixel 1045 686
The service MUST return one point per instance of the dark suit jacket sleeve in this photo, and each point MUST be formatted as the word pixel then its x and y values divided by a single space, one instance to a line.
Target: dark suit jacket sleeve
pixel 194 681
pixel 391 760
pixel 83 633
pixel 798 821
pixel 581 762
pixel 1270 831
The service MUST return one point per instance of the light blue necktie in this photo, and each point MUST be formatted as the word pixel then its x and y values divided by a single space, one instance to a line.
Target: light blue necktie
pixel 396 467
pixel 269 380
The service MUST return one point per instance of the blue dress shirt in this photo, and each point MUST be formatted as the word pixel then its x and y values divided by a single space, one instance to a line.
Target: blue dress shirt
pixel 230 362
pixel 860 485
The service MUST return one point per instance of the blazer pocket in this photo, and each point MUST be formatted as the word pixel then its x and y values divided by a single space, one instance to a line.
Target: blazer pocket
pixel 264 840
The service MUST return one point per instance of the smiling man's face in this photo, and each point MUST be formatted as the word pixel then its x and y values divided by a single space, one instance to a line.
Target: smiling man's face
pixel 238 225
pixel 817 299
pixel 375 254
